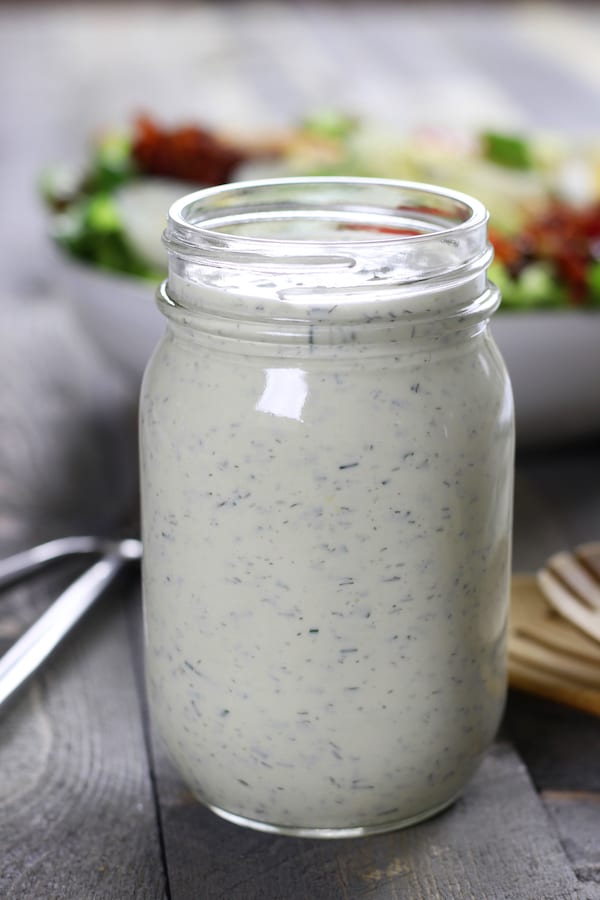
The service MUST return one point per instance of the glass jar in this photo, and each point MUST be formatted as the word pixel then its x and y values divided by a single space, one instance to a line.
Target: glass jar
pixel 327 455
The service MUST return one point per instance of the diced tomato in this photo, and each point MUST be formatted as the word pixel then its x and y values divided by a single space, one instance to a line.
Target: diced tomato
pixel 564 236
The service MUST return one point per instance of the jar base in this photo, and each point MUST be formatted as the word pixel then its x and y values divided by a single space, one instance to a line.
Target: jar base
pixel 335 832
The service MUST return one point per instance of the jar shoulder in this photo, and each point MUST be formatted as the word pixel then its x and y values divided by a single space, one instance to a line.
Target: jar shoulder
pixel 445 396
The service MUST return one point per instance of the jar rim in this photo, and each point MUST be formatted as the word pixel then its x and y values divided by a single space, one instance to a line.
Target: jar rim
pixel 198 218
pixel 433 262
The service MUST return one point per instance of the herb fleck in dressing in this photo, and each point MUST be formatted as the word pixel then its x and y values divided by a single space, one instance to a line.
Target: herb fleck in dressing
pixel 326 528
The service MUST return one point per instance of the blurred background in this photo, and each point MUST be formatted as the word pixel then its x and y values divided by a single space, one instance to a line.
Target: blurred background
pixel 73 69
pixel 502 99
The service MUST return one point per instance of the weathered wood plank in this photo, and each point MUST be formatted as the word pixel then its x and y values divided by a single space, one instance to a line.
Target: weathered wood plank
pixel 558 505
pixel 577 818
pixel 560 745
pixel 77 814
pixel 561 748
pixel 68 454
pixel 496 842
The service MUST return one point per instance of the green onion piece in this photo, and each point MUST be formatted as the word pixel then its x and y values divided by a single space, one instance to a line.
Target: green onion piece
pixel 506 150
pixel 112 164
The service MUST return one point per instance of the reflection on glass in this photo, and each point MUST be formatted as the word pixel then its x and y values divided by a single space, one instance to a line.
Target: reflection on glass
pixel 284 394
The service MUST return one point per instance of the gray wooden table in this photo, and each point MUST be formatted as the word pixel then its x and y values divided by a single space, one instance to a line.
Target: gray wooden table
pixel 89 805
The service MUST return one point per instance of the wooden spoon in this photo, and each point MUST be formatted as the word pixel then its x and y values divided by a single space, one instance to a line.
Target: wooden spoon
pixel 571 584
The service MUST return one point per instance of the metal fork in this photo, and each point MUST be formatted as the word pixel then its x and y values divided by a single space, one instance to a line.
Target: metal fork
pixel 38 642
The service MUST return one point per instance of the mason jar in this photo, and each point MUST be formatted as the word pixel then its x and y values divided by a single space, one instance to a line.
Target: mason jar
pixel 327 458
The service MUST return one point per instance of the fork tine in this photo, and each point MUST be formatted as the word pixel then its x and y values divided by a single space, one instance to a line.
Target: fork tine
pixel 564 602
pixel 576 576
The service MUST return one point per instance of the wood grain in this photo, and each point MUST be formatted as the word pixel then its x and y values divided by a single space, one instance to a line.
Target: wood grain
pixel 68 454
pixel 558 506
pixel 577 818
pixel 463 853
pixel 77 809
pixel 561 746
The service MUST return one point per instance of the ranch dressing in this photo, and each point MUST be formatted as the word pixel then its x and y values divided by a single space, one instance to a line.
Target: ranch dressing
pixel 326 492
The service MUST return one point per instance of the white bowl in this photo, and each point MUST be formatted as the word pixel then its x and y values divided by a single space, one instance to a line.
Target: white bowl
pixel 553 356
pixel 119 311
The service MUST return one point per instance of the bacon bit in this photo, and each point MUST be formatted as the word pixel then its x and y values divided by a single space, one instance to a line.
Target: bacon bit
pixel 564 236
pixel 507 250
pixel 189 153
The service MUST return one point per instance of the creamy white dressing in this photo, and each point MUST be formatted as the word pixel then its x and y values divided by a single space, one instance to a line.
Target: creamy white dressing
pixel 327 447
pixel 327 554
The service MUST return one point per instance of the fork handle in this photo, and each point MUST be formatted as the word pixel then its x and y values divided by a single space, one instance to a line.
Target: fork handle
pixel 38 642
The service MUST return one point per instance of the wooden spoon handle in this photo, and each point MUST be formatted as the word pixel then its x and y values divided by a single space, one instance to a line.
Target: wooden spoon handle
pixel 531 617
pixel 563 601
pixel 526 677
pixel 563 665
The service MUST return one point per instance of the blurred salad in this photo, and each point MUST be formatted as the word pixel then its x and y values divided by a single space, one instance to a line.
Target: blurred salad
pixel 543 196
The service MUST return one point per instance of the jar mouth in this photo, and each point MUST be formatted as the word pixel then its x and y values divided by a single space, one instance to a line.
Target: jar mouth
pixel 327 250
pixel 326 220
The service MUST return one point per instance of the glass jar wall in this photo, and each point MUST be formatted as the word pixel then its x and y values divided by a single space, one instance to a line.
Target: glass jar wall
pixel 327 451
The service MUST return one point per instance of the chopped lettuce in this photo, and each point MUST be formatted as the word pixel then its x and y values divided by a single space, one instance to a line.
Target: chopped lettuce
pixel 91 230
pixel 330 125
pixel 111 214
pixel 535 287
pixel 593 282
pixel 112 163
